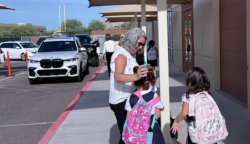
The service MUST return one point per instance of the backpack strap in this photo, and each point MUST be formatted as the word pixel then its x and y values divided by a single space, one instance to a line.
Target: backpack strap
pixel 137 93
pixel 155 101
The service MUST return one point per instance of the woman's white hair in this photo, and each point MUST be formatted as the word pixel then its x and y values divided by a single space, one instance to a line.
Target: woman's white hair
pixel 130 39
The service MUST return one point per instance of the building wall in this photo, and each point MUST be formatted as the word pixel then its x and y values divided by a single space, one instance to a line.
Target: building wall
pixel 206 39
pixel 177 36
pixel 233 48
pixel 248 52
pixel 39 28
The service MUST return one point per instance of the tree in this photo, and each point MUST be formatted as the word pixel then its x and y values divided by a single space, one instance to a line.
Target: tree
pixel 23 30
pixel 126 26
pixel 96 25
pixel 73 26
pixel 48 32
pixel 4 31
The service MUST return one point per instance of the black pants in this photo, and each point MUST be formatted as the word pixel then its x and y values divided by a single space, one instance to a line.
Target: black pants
pixel 120 114
pixel 108 57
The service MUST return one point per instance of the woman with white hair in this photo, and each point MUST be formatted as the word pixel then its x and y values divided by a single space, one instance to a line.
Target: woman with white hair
pixel 122 76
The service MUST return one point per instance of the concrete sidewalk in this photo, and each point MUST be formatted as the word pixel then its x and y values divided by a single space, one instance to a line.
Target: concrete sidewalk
pixel 92 122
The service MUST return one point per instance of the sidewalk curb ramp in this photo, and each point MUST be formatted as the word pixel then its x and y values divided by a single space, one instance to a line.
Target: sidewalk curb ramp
pixel 52 130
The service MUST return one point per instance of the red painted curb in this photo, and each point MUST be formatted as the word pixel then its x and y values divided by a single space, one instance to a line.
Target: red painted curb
pixel 49 134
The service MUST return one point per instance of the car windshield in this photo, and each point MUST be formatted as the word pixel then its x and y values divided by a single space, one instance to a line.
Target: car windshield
pixel 84 38
pixel 57 46
pixel 28 45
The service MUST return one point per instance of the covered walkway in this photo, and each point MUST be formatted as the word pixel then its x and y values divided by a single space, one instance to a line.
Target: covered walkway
pixel 92 122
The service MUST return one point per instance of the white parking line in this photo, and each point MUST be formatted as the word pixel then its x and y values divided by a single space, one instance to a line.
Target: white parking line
pixel 27 124
pixel 5 78
pixel 16 74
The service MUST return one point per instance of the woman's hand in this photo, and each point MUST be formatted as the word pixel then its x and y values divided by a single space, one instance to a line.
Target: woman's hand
pixel 142 72
pixel 175 128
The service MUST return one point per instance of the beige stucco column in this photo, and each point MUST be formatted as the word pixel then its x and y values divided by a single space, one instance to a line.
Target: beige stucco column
pixel 163 67
pixel 135 20
pixel 143 25
pixel 132 23
pixel 248 53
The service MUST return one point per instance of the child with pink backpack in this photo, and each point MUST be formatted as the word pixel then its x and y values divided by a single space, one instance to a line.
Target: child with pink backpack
pixel 206 125
pixel 143 107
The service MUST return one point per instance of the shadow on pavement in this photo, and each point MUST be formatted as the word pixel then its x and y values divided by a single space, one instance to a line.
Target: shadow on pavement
pixel 93 99
pixel 102 76
pixel 114 135
pixel 57 80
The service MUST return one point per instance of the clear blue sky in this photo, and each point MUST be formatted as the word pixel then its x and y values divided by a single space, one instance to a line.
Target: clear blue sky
pixel 46 12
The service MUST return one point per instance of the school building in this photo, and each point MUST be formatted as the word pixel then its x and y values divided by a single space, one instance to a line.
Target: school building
pixel 212 34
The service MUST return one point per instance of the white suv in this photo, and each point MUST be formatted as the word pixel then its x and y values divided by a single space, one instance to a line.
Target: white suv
pixel 59 57
pixel 17 49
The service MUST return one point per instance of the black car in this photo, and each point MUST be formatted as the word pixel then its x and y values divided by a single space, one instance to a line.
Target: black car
pixel 84 38
pixel 93 58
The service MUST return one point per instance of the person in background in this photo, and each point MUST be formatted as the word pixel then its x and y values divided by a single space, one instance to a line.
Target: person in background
pixel 152 55
pixel 97 44
pixel 122 76
pixel 109 49
pixel 140 58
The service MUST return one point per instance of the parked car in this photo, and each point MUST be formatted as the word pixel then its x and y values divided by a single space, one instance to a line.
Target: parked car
pixel 83 38
pixel 59 57
pixel 17 49
pixel 93 57
pixel 116 38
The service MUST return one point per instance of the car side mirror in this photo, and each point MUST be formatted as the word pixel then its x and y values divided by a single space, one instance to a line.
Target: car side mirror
pixel 18 47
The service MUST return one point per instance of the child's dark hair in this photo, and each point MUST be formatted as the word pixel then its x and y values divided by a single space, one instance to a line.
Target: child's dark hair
pixel 151 43
pixel 140 82
pixel 197 81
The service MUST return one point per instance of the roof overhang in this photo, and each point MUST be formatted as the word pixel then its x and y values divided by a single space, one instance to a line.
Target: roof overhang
pixel 128 2
pixel 5 7
pixel 128 18
pixel 131 10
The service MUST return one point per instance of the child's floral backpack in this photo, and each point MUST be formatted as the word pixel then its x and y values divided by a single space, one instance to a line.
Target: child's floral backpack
pixel 137 125
pixel 210 126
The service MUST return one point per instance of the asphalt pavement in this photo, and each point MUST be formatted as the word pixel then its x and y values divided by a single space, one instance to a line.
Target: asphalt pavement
pixel 28 111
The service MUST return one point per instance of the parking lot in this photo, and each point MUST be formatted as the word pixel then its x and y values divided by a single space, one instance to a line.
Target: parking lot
pixel 28 111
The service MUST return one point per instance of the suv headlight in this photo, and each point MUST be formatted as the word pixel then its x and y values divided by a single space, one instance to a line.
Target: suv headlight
pixel 33 61
pixel 71 60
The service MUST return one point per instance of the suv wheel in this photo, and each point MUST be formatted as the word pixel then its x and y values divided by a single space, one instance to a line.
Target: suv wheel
pixel 80 76
pixel 87 70
pixel 23 57
pixel 34 81
pixel 95 61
